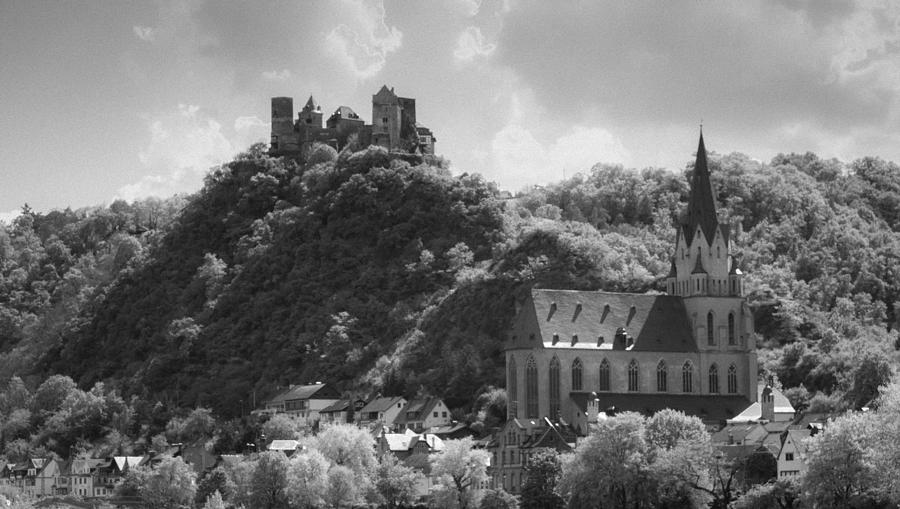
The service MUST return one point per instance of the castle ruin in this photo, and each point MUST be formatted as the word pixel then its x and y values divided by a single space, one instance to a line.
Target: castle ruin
pixel 393 126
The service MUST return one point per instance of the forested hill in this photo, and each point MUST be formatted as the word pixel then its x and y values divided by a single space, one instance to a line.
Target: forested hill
pixel 384 273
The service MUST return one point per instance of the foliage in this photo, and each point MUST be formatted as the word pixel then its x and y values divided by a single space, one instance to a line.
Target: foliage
pixel 395 482
pixel 461 468
pixel 498 499
pixel 781 494
pixel 168 484
pixel 269 481
pixel 281 427
pixel 630 461
pixel 307 479
pixel 542 472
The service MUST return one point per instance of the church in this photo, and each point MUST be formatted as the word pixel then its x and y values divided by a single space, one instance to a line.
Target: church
pixel 574 354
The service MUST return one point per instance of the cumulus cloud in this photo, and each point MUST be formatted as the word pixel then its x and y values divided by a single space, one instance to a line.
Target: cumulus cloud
pixel 468 8
pixel 184 144
pixel 9 217
pixel 471 44
pixel 146 34
pixel 364 40
pixel 250 130
pixel 281 75
pixel 523 154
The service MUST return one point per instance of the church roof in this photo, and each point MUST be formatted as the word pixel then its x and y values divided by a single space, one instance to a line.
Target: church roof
pixel 709 408
pixel 590 320
pixel 345 112
pixel 701 209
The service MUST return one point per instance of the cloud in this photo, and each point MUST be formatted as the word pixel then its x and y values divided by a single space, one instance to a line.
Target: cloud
pixel 364 40
pixel 250 130
pixel 281 75
pixel 523 153
pixel 468 8
pixel 184 143
pixel 146 34
pixel 471 44
pixel 9 217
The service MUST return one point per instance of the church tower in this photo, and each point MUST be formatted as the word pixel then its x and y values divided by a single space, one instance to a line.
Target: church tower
pixel 704 272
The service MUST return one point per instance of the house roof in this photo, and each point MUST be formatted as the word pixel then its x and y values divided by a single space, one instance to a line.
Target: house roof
pixel 123 463
pixel 590 320
pixel 345 112
pixel 337 406
pixel 284 445
pixel 448 429
pixel 799 438
pixel 419 408
pixel 397 442
pixel 434 443
pixel 381 404
pixel 707 407
pixel 312 391
pixel 311 105
pixel 753 412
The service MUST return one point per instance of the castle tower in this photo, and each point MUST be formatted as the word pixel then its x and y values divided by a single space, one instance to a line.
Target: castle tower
pixel 386 118
pixel 311 114
pixel 282 123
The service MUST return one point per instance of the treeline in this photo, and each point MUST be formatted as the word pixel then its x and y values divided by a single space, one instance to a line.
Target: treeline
pixel 382 272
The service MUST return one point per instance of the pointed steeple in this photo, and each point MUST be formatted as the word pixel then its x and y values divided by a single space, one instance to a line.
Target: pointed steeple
pixel 311 105
pixel 701 209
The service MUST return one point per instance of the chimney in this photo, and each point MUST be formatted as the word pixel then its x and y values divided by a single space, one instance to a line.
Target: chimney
pixel 619 342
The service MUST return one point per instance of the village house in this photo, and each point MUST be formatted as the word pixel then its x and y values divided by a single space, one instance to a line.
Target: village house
pixel 380 412
pixel 304 402
pixel 771 405
pixel 793 454
pixel 514 444
pixel 36 477
pixel 422 414
pixel 111 472
pixel 341 412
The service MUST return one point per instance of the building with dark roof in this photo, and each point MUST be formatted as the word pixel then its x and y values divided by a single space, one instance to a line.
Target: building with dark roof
pixel 303 402
pixel 691 349
pixel 393 126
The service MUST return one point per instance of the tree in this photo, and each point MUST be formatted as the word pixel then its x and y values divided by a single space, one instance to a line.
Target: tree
pixel 170 484
pixel 463 469
pixel 281 427
pixel 215 481
pixel 269 481
pixel 307 479
pixel 498 499
pixel 609 468
pixel 781 494
pixel 395 482
pixel 343 490
pixel 214 501
pixel 840 472
pixel 542 472
pixel 349 446
pixel 198 425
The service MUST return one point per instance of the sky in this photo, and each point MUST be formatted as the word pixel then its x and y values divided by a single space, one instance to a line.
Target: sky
pixel 122 100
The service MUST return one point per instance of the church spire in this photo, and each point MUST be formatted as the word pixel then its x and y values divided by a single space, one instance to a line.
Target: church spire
pixel 701 209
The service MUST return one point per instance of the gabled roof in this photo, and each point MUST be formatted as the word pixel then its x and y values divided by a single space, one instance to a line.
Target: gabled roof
pixel 799 438
pixel 381 404
pixel 312 105
pixel 701 209
pixel 434 442
pixel 312 391
pixel 345 112
pixel 337 406
pixel 579 319
pixel 398 442
pixel 419 409
pixel 385 95
pixel 123 463
pixel 709 408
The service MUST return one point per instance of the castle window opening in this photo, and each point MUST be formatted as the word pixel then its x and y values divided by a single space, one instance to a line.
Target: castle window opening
pixel 732 380
pixel 633 380
pixel 662 381
pixel 714 379
pixel 604 375
pixel 687 377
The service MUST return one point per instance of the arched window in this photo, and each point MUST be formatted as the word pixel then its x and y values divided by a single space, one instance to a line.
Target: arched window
pixel 661 377
pixel 731 340
pixel 577 370
pixel 732 380
pixel 710 333
pixel 687 377
pixel 604 375
pixel 714 379
pixel 512 387
pixel 633 376
pixel 531 388
pixel 554 388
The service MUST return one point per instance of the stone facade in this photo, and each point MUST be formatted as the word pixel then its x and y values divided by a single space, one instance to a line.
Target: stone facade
pixel 691 350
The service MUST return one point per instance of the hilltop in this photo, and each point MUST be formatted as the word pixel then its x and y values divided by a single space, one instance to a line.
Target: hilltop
pixel 381 272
